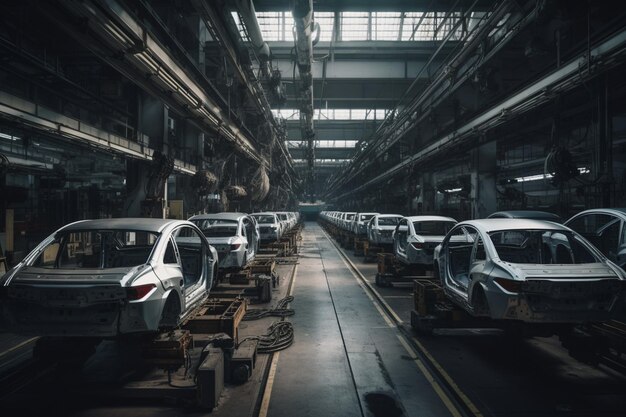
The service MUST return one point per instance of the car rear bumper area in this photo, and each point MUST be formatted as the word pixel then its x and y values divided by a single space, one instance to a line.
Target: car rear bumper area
pixel 583 303
pixel 101 312
pixel 100 320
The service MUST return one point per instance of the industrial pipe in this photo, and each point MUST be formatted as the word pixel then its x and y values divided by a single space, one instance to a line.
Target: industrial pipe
pixel 303 17
pixel 248 14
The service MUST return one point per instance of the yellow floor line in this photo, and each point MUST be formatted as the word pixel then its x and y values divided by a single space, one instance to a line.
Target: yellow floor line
pixel 267 393
pixel 16 347
pixel 265 403
pixel 431 380
pixel 440 392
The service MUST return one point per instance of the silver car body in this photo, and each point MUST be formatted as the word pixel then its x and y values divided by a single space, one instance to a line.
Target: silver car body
pixel 359 223
pixel 110 285
pixel 285 219
pixel 235 236
pixel 526 214
pixel 380 228
pixel 346 220
pixel 605 229
pixel 527 270
pixel 414 246
pixel 270 227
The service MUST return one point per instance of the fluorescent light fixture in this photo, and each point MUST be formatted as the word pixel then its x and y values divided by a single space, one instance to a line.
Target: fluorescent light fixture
pixel 453 190
pixel 581 170
pixel 9 137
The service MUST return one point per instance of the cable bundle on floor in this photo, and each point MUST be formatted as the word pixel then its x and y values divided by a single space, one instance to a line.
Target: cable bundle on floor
pixel 280 310
pixel 279 337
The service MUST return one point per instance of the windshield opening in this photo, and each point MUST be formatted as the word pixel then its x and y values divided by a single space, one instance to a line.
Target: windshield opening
pixel 366 217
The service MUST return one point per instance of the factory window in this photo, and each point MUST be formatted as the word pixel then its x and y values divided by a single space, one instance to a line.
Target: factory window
pixel 324 143
pixel 342 114
pixel 326 20
pixel 385 26
pixel 334 114
pixel 273 25
pixel 277 26
pixel 287 114
pixel 419 26
pixel 355 26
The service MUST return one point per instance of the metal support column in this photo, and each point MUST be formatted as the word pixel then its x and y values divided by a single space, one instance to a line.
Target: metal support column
pixel 483 179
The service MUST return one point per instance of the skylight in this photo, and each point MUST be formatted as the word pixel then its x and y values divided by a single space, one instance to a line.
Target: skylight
pixel 355 26
pixel 334 114
pixel 273 25
pixel 326 20
pixel 277 26
pixel 342 144
pixel 385 26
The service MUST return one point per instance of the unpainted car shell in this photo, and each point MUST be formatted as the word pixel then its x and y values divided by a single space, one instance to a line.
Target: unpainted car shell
pixel 380 234
pixel 526 214
pixel 615 251
pixel 269 231
pixel 95 302
pixel 359 227
pixel 407 253
pixel 548 293
pixel 248 246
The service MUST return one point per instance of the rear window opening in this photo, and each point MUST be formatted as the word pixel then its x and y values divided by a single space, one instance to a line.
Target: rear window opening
pixel 97 249
pixel 541 247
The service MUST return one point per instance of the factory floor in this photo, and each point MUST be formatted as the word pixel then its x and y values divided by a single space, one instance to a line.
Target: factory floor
pixel 348 358
pixel 367 357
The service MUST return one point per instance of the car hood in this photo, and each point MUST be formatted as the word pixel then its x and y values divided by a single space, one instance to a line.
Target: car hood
pixel 43 276
pixel 574 271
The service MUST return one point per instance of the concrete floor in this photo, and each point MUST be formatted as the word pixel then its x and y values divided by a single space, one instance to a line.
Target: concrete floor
pixel 347 359
pixel 533 377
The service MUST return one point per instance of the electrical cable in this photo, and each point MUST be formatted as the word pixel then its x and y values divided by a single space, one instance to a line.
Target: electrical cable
pixel 281 310
pixel 279 337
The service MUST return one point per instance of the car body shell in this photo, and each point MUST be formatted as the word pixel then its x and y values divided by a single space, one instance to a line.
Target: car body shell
pixel 234 250
pixel 526 214
pixel 94 302
pixel 286 219
pixel 269 232
pixel 412 248
pixel 359 223
pixel 605 229
pixel 346 220
pixel 469 267
pixel 379 234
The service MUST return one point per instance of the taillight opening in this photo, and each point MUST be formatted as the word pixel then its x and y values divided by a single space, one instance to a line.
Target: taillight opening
pixel 235 246
pixel 139 292
pixel 509 284
pixel 417 245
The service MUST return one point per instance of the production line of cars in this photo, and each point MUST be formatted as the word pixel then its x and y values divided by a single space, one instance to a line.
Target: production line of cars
pixel 518 265
pixel 110 277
